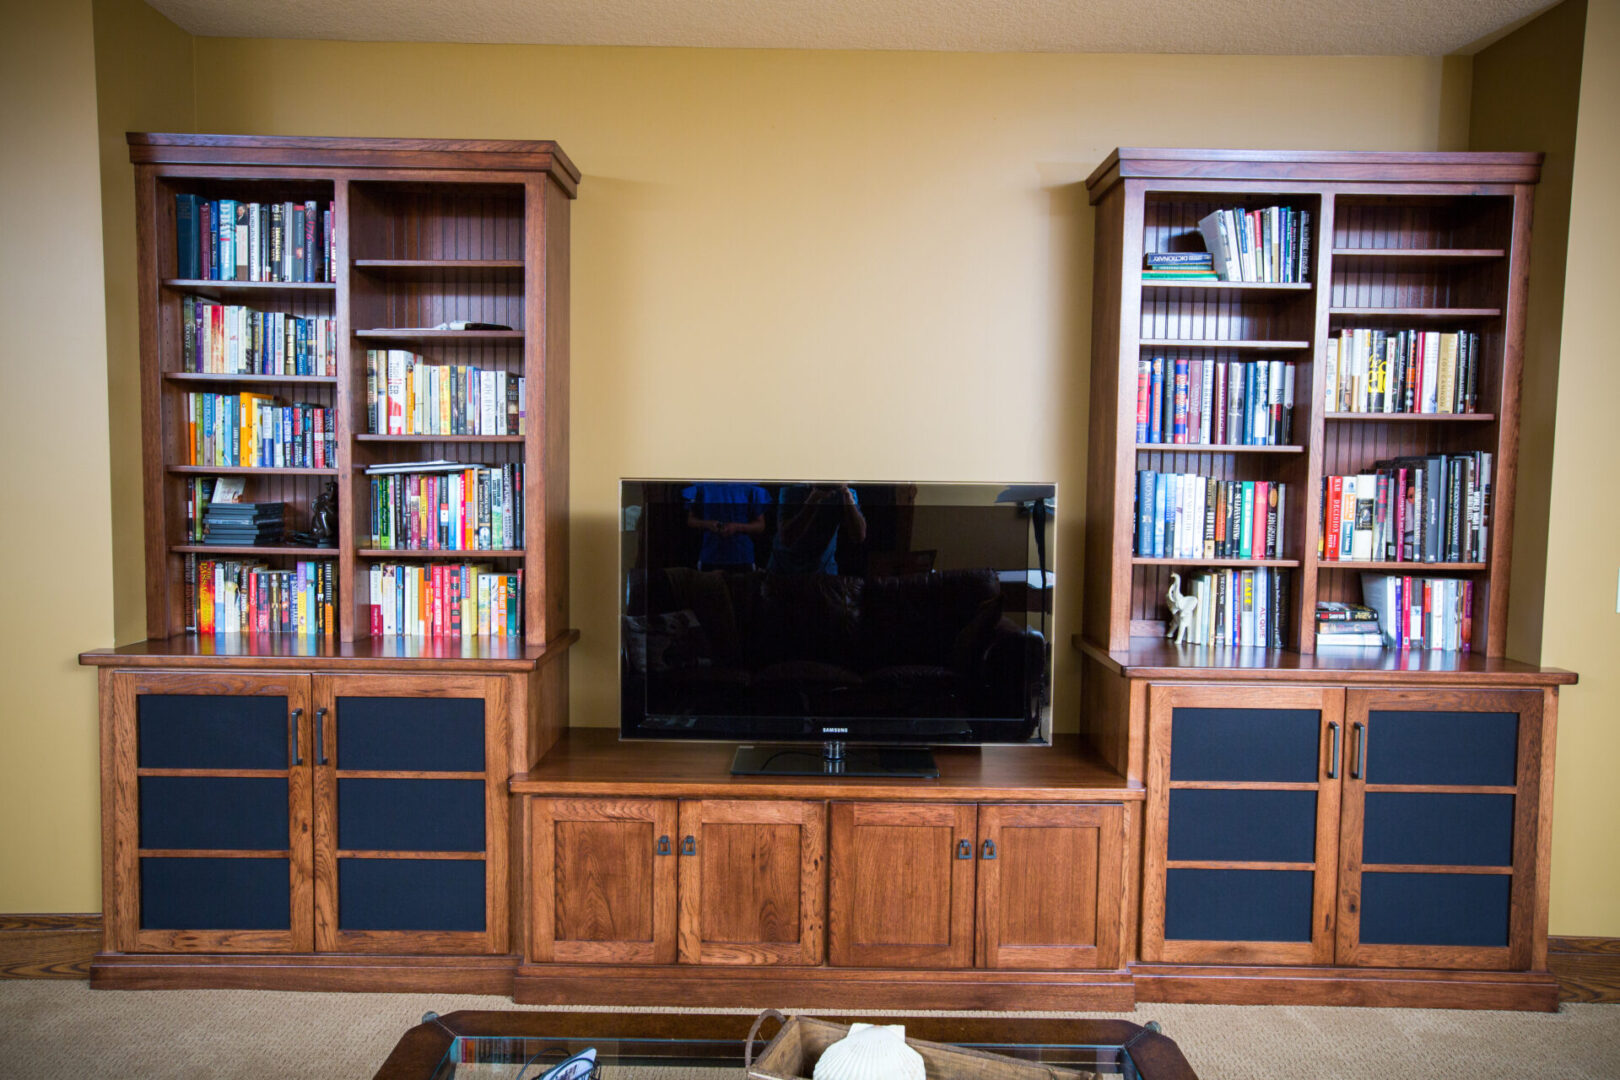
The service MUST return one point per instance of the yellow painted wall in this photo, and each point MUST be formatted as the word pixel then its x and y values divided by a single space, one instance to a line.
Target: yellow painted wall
pixel 1581 627
pixel 55 528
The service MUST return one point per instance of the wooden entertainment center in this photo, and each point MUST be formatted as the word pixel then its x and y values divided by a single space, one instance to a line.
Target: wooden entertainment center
pixel 1229 824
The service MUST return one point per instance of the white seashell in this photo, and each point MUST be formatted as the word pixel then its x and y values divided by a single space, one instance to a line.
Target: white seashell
pixel 871 1052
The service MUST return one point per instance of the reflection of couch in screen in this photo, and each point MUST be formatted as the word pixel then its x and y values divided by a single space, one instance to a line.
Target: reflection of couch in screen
pixel 930 645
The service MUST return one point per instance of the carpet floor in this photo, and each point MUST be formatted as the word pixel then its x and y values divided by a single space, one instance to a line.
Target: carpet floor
pixel 62 1029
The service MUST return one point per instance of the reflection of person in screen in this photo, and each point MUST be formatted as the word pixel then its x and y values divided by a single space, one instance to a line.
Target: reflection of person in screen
pixel 730 516
pixel 808 520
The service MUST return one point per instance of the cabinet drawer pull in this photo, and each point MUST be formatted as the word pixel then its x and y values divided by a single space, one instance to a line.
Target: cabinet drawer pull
pixel 988 851
pixel 320 736
pixel 1358 758
pixel 662 847
pixel 688 844
pixel 964 849
pixel 295 722
pixel 1333 754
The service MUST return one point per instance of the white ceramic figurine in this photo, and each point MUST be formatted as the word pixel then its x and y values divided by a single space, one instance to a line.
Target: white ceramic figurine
pixel 1181 610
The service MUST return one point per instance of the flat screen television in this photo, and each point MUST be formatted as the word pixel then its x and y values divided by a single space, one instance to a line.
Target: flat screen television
pixel 867 619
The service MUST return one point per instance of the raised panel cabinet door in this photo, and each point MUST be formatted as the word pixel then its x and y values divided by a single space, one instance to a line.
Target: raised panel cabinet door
pixel 602 881
pixel 206 812
pixel 1442 857
pixel 753 873
pixel 1050 886
pixel 411 814
pixel 1241 833
pixel 900 885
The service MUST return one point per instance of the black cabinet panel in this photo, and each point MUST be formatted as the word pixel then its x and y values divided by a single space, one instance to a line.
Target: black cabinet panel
pixel 410 815
pixel 214 812
pixel 1250 826
pixel 1476 748
pixel 426 734
pixel 1238 905
pixel 1278 745
pixel 211 731
pixel 1429 828
pixel 1435 909
pixel 215 894
pixel 411 894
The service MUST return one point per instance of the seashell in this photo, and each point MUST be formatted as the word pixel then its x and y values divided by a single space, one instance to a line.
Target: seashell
pixel 870 1052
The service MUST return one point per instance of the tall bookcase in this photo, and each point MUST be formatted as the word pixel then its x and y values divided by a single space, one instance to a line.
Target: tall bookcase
pixel 425 232
pixel 1397 241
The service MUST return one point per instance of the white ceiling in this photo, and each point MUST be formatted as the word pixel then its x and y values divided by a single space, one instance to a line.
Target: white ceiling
pixel 1300 27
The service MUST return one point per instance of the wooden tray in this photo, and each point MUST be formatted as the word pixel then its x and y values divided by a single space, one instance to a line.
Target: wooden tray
pixel 793 1053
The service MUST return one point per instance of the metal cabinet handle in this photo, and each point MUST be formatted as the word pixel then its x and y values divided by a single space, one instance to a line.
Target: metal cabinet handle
pixel 662 848
pixel 964 849
pixel 688 844
pixel 320 736
pixel 295 721
pixel 988 851
pixel 1333 754
pixel 1358 759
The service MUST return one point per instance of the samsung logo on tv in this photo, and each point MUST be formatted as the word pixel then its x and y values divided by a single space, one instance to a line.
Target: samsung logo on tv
pixel 835 731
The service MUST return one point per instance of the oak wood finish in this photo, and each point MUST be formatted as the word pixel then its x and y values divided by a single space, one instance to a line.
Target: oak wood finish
pixel 900 892
pixel 1405 988
pixel 1587 968
pixel 753 878
pixel 48 946
pixel 315 972
pixel 259 652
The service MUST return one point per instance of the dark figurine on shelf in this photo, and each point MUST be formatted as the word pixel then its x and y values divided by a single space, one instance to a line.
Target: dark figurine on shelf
pixel 322 519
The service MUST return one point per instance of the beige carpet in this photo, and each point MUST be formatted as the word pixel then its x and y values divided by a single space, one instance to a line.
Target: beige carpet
pixel 51 1029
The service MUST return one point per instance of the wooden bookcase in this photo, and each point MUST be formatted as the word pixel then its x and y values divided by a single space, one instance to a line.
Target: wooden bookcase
pixel 1398 241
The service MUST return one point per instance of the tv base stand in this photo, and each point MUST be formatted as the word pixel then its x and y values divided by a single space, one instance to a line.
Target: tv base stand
pixel 835 759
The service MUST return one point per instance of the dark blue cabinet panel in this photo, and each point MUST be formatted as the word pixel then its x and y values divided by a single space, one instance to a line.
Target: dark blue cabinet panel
pixel 211 731
pixel 410 734
pixel 1473 748
pixel 411 894
pixel 1247 826
pixel 1238 905
pixel 214 813
pixel 1435 909
pixel 410 815
pixel 215 894
pixel 1437 829
pixel 1275 745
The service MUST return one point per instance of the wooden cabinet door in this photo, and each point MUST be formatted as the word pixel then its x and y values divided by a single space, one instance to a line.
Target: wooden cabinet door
pixel 900 888
pixel 1050 886
pixel 602 881
pixel 206 810
pixel 752 877
pixel 1240 852
pixel 411 823
pixel 1444 829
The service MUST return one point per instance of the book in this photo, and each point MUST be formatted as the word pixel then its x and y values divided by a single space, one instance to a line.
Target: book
pixel 1184 515
pixel 236 240
pixel 1240 607
pixel 446 506
pixel 444 600
pixel 1268 245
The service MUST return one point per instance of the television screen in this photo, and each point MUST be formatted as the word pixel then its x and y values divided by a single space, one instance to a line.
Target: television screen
pixel 795 611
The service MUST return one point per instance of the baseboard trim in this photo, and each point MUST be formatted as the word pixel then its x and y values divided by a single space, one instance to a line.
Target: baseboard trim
pixel 1373 987
pixel 318 972
pixel 48 946
pixel 1587 968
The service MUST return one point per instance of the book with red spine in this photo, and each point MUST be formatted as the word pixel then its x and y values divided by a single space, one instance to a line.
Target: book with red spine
pixel 1333 510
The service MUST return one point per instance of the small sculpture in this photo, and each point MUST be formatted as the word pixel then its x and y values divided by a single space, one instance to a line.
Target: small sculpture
pixel 323 516
pixel 870 1052
pixel 1181 610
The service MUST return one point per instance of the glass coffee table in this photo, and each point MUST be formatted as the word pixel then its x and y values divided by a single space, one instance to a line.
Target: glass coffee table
pixel 664 1046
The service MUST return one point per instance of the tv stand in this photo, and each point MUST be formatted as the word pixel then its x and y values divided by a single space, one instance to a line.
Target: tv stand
pixel 834 758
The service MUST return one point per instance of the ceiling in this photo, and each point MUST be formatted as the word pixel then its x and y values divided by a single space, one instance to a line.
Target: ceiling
pixel 1298 27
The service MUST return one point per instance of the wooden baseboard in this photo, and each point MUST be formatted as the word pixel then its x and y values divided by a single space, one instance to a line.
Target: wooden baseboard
pixel 1385 988
pixel 824 987
pixel 48 946
pixel 324 972
pixel 1587 968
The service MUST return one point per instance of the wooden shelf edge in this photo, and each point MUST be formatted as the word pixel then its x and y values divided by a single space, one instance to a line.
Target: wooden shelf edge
pixel 243 470
pixel 198 284
pixel 439 264
pixel 436 553
pixel 474 439
pixel 248 549
pixel 274 652
pixel 1409 418
pixel 1422 568
pixel 1228 564
pixel 1416 254
pixel 1202 343
pixel 1249 286
pixel 208 376
pixel 408 334
pixel 1416 313
pixel 1218 448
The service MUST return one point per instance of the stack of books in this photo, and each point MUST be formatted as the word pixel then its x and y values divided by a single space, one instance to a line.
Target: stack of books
pixel 1343 625
pixel 244 524
pixel 1269 245
pixel 1178 266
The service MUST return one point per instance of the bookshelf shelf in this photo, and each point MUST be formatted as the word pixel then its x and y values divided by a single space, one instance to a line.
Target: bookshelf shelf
pixel 458 555
pixel 1420 255
pixel 1415 312
pixel 1416 569
pixel 1247 345
pixel 471 439
pixel 412 268
pixel 1231 564
pixel 1217 448
pixel 1410 418
pixel 205 286
pixel 245 549
pixel 408 335
pixel 243 470
pixel 266 380
pixel 1241 286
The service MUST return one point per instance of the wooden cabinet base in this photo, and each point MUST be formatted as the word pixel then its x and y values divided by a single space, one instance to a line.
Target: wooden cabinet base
pixel 1535 991
pixel 341 971
pixel 755 988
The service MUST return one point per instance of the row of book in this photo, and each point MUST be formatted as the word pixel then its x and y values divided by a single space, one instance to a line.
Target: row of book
pixel 446 506
pixel 1188 516
pixel 244 524
pixel 1179 266
pixel 1272 244
pixel 1240 607
pixel 232 240
pixel 228 596
pixel 1181 401
pixel 1430 509
pixel 228 339
pixel 1402 371
pixel 445 600
pixel 250 430
pixel 405 395
pixel 1421 612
